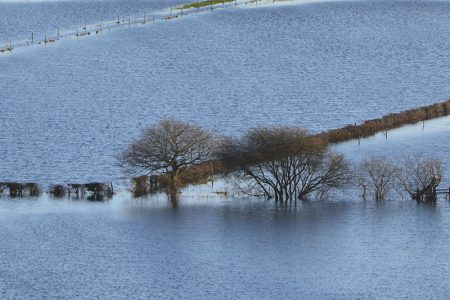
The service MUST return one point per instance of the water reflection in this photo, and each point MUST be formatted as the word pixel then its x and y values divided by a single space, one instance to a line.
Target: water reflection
pixel 251 247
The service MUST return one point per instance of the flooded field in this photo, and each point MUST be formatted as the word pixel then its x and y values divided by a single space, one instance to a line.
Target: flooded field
pixel 336 249
pixel 340 247
pixel 67 110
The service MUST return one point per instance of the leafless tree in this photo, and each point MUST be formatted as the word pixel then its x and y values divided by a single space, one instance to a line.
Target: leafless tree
pixel 283 163
pixel 168 148
pixel 419 177
pixel 377 177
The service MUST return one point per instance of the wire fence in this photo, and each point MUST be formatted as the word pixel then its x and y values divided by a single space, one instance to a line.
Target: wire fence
pixel 99 28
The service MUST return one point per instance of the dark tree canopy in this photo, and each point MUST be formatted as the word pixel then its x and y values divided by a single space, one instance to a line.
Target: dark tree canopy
pixel 168 148
pixel 283 162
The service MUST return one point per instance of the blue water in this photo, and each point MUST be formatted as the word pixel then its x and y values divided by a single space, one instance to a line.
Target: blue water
pixel 18 19
pixel 70 108
pixel 236 248
pixel 428 140
pixel 66 111
pixel 221 249
pixel 232 247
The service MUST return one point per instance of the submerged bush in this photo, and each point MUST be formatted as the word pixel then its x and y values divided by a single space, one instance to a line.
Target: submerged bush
pixel 415 176
pixel 420 177
pixel 377 177
pixel 168 149
pixel 141 185
pixel 58 190
pixel 17 189
pixel 284 163
pixel 97 190
pixel 32 189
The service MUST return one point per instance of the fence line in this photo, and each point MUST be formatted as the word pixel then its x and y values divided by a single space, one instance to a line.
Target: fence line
pixel 97 29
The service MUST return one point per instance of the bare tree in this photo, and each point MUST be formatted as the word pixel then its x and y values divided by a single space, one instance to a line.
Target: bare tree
pixel 377 177
pixel 419 177
pixel 283 163
pixel 168 148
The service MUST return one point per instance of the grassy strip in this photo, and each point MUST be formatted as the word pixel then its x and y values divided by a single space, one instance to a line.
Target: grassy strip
pixel 203 4
pixel 388 122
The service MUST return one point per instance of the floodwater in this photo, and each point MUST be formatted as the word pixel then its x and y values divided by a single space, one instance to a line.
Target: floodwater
pixel 222 249
pixel 66 110
pixel 19 18
pixel 427 140
pixel 234 247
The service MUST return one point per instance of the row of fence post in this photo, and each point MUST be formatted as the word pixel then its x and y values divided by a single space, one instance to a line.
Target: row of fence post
pixel 32 41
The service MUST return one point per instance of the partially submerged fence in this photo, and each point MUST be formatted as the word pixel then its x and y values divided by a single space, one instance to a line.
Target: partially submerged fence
pixel 96 191
pixel 445 192
pixel 99 28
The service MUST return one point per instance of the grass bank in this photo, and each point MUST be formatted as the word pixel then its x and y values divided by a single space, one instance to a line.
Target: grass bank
pixel 200 4
pixel 388 122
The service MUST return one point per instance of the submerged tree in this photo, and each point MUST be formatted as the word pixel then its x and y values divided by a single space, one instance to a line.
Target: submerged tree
pixel 283 163
pixel 168 148
pixel 419 177
pixel 377 177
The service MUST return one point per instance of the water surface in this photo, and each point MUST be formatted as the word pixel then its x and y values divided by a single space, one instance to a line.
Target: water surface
pixel 340 247
pixel 67 110
pixel 223 249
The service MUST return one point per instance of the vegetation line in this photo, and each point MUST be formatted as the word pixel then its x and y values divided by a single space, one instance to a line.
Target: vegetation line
pixel 388 122
pixel 203 4
pixel 275 139
pixel 284 163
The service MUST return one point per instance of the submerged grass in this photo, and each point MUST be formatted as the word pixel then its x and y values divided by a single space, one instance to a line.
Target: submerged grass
pixel 199 4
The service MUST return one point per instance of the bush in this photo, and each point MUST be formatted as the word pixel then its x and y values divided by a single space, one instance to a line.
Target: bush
pixel 377 177
pixel 58 190
pixel 283 163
